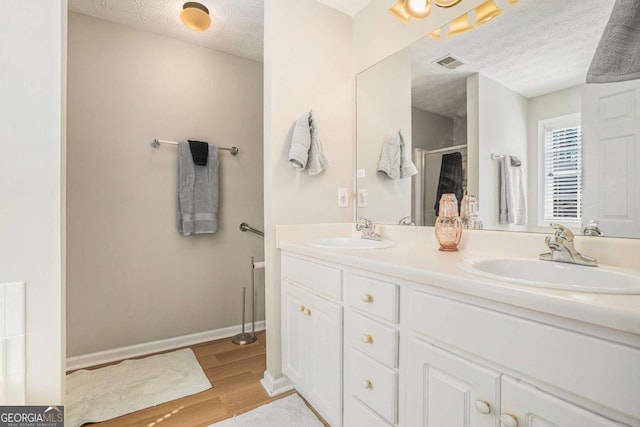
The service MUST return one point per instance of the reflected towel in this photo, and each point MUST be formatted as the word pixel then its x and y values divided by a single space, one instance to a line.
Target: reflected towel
pixel 513 198
pixel 451 177
pixel 394 161
pixel 617 57
pixel 197 192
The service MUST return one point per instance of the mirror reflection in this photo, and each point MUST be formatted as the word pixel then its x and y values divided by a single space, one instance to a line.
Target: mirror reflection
pixel 502 112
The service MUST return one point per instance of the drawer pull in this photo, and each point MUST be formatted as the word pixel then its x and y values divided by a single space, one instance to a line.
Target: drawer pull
pixel 508 420
pixel 366 338
pixel 302 308
pixel 367 384
pixel 483 407
pixel 366 298
pixel 307 312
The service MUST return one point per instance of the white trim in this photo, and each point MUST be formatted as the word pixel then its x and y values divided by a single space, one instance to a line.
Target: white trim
pixel 275 386
pixel 100 357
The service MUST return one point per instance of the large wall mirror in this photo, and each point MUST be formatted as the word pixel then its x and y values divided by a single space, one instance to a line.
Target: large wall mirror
pixel 503 102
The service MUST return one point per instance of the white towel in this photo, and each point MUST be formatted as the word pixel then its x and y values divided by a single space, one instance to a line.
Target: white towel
pixel 394 158
pixel 306 149
pixel 513 199
pixel 617 57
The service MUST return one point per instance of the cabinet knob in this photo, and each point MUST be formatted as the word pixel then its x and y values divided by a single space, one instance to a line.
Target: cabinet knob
pixel 302 308
pixel 366 298
pixel 366 338
pixel 508 420
pixel 483 407
pixel 307 312
pixel 367 384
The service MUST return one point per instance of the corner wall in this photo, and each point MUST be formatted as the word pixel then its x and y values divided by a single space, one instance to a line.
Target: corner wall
pixel 32 75
pixel 132 277
pixel 308 65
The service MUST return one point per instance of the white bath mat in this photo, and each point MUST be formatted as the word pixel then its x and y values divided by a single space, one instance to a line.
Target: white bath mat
pixel 288 412
pixel 112 391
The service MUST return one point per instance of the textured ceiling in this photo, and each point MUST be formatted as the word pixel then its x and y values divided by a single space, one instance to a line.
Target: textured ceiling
pixel 237 26
pixel 535 47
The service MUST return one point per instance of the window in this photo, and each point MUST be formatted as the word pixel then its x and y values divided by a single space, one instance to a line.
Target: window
pixel 561 169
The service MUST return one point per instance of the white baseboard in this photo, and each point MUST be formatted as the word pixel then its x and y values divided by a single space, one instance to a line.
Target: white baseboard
pixel 100 357
pixel 275 386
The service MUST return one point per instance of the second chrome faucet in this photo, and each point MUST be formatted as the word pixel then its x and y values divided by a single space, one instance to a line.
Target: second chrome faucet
pixel 562 248
pixel 368 229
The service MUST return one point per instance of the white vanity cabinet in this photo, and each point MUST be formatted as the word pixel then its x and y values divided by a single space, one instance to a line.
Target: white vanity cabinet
pixel 312 334
pixel 414 355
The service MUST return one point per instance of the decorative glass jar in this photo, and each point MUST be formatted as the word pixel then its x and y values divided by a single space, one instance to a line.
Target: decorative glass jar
pixel 448 224
pixel 469 213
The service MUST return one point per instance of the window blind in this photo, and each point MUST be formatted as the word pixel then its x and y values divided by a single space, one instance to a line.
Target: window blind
pixel 563 174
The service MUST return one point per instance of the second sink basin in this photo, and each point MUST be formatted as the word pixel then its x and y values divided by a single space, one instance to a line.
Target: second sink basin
pixel 350 243
pixel 556 275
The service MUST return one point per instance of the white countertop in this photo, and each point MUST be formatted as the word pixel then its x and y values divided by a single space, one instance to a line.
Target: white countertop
pixel 432 267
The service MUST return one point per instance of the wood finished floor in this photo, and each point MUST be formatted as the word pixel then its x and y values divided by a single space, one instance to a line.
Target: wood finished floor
pixel 234 371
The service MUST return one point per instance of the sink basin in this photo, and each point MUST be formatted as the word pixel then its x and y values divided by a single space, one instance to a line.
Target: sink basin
pixel 556 275
pixel 350 243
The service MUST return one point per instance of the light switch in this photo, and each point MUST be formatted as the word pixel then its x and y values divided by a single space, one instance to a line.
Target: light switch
pixel 363 196
pixel 343 197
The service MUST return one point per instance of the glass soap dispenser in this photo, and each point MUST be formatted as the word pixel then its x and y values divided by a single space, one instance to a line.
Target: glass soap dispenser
pixel 448 225
pixel 469 213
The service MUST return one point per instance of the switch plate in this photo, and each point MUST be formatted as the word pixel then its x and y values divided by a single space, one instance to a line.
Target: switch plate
pixel 343 197
pixel 363 196
pixel 361 173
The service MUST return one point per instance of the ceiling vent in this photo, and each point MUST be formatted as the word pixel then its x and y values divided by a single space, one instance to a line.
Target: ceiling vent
pixel 450 62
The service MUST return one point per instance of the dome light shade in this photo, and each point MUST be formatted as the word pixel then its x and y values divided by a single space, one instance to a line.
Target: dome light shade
pixel 195 16
pixel 486 12
pixel 418 9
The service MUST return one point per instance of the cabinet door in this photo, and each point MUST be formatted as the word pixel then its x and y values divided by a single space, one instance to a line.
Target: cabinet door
pixel 324 376
pixel 446 390
pixel 530 407
pixel 295 331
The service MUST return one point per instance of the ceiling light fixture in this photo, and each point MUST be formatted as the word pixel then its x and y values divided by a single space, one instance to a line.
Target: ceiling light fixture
pixel 399 11
pixel 447 3
pixel 460 25
pixel 486 12
pixel 195 16
pixel 419 9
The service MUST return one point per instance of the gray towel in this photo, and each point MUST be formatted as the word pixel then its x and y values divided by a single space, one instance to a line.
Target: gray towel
pixel 513 198
pixel 300 143
pixel 617 57
pixel 394 159
pixel 317 159
pixel 197 192
pixel 306 149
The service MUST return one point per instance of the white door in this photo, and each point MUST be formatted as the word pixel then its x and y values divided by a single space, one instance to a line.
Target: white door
pixel 611 157
pixel 324 386
pixel 446 390
pixel 526 406
pixel 295 331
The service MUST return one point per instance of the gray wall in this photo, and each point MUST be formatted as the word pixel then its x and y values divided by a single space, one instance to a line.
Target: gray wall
pixel 131 277
pixel 430 131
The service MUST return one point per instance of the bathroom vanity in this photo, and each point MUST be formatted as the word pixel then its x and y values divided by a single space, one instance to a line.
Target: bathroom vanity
pixel 403 337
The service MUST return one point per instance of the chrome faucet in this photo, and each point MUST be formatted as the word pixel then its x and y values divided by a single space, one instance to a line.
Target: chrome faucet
pixel 407 220
pixel 563 249
pixel 368 229
pixel 592 229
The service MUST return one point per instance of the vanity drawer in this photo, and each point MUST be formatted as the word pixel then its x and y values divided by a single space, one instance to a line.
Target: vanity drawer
pixel 374 338
pixel 360 416
pixel 535 349
pixel 373 296
pixel 374 384
pixel 319 278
